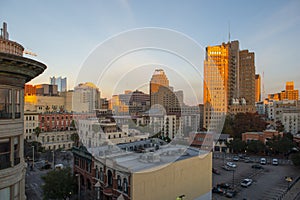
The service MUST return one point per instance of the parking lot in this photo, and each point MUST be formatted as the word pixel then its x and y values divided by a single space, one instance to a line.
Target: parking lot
pixel 268 183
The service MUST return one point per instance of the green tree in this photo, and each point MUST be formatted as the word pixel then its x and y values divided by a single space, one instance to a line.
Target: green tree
pixel 75 138
pixel 37 131
pixel 228 125
pixel 255 146
pixel 237 145
pixel 296 159
pixel 248 122
pixel 59 184
pixel 280 145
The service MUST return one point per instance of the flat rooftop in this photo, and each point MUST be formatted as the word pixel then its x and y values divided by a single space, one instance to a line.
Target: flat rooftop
pixel 144 155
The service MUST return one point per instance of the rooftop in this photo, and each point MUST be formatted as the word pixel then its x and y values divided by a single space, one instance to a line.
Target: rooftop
pixel 144 155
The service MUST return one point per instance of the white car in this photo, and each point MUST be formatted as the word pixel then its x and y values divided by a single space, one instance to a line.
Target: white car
pixel 263 161
pixel 275 161
pixel 230 164
pixel 246 182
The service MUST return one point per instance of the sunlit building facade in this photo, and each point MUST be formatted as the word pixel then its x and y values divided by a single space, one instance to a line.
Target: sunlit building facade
pixel 229 83
pixel 257 88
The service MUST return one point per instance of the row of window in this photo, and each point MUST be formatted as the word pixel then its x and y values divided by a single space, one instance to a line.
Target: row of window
pixel 10 103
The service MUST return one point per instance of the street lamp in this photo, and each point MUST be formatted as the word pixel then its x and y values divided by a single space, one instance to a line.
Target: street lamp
pixel 32 157
pixel 97 187
pixel 53 159
pixel 233 178
pixel 288 179
pixel 78 175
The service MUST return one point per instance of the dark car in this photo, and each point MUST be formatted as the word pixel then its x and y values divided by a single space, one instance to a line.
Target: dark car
pixel 230 193
pixel 257 167
pixel 46 166
pixel 224 186
pixel 215 171
pixel 218 190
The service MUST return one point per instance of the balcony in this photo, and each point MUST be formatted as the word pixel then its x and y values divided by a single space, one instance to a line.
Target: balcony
pixel 108 191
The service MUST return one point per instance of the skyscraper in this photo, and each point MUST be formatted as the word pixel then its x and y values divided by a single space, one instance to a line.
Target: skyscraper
pixel 60 82
pixel 159 79
pixel 161 94
pixel 257 88
pixel 229 83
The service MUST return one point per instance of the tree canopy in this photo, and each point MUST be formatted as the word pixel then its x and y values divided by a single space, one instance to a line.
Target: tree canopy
pixel 240 123
pixel 59 184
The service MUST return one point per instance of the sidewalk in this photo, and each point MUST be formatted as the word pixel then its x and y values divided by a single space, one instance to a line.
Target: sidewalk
pixel 294 193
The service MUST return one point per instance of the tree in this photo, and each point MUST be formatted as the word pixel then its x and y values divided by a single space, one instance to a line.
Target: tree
pixel 296 159
pixel 59 184
pixel 237 145
pixel 37 131
pixel 255 146
pixel 75 138
pixel 280 145
pixel 247 122
pixel 228 125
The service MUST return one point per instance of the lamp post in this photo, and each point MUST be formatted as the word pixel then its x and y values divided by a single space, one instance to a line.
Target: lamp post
pixel 288 179
pixel 32 157
pixel 78 175
pixel 97 187
pixel 53 159
pixel 233 178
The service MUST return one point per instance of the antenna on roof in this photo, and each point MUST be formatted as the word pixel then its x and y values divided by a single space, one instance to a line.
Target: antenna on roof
pixel 229 31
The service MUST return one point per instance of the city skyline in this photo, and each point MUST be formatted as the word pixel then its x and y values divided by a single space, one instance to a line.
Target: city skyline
pixel 63 38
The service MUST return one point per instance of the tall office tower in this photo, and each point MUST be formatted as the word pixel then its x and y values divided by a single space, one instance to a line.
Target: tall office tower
pixel 257 88
pixel 158 80
pixel 60 82
pixel 229 83
pixel 86 98
pixel 216 86
pixel 290 93
pixel 247 78
pixel 15 71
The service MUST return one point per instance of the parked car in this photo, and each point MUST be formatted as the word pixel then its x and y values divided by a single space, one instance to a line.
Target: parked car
pixel 246 182
pixel 225 167
pixel 263 161
pixel 274 161
pixel 215 171
pixel 248 160
pixel 230 164
pixel 235 158
pixel 218 190
pixel 230 193
pixel 224 185
pixel 257 167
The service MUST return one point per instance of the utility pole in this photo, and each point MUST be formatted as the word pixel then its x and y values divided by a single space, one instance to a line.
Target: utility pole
pixel 32 157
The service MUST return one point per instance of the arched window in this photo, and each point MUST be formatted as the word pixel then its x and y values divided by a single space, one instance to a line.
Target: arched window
pixel 119 183
pixel 101 174
pixel 109 178
pixel 125 185
pixel 97 173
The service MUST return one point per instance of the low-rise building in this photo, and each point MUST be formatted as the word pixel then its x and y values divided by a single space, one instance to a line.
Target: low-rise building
pixel 261 136
pixel 56 140
pixel 122 173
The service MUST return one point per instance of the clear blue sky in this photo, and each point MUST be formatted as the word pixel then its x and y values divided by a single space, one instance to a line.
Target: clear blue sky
pixel 63 32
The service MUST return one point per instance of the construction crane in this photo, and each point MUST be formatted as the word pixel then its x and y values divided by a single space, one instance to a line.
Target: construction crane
pixel 29 53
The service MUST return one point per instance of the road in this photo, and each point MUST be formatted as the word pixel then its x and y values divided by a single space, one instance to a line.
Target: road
pixel 34 181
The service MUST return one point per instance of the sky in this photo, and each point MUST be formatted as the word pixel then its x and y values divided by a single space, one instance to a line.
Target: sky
pixel 66 35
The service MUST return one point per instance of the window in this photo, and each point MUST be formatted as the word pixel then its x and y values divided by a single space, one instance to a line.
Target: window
pixel 4 153
pixel 101 174
pixel 119 183
pixel 125 185
pixel 5 103
pixel 109 178
pixel 97 173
